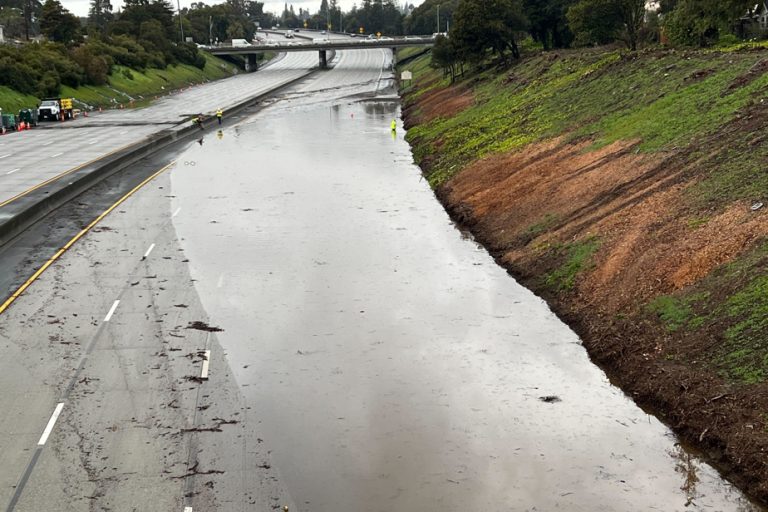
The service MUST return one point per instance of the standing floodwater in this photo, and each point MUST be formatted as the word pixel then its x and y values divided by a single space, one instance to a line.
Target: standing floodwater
pixel 390 364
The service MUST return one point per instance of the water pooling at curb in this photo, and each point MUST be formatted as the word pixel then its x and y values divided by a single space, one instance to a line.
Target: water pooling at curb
pixel 390 363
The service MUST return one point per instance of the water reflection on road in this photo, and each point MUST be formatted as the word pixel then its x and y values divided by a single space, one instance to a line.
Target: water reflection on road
pixel 391 364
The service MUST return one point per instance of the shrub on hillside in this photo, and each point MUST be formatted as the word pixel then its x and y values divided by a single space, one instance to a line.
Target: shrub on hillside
pixel 187 53
pixel 95 67
pixel 41 69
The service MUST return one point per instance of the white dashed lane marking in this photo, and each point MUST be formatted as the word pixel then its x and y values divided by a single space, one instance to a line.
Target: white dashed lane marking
pixel 146 254
pixel 111 311
pixel 206 365
pixel 51 423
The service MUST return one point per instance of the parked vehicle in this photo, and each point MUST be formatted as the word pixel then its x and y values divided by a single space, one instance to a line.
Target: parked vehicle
pixel 28 116
pixel 55 109
pixel 8 122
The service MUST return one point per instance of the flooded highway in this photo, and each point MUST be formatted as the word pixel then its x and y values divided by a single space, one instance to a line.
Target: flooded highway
pixel 389 363
pixel 282 314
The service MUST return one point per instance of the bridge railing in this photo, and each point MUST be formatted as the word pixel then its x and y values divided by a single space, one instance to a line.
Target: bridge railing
pixel 361 41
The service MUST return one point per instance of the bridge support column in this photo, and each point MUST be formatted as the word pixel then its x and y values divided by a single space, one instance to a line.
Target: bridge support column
pixel 251 64
pixel 323 60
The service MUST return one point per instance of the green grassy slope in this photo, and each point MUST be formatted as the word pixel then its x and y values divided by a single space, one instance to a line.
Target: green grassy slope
pixel 126 84
pixel 704 108
pixel 661 97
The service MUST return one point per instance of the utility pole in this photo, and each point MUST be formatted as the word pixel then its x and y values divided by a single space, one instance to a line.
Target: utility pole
pixel 27 18
pixel 210 30
pixel 438 18
pixel 181 25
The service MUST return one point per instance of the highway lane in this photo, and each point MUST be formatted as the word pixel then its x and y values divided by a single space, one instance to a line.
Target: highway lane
pixel 32 157
pixel 105 333
pixel 371 357
pixel 115 361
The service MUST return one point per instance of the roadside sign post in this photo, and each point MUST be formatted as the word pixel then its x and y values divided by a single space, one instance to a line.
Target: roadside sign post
pixel 406 76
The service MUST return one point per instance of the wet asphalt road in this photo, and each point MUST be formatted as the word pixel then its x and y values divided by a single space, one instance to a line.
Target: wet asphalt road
pixel 371 358
pixel 31 157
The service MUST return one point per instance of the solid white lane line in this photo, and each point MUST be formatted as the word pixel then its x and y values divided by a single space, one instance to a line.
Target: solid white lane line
pixel 57 154
pixel 13 171
pixel 93 142
pixel 146 254
pixel 111 311
pixel 176 212
pixel 5 156
pixel 206 363
pixel 123 133
pixel 51 423
pixel 47 143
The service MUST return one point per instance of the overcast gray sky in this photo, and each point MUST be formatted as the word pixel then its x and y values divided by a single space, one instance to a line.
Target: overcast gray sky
pixel 80 7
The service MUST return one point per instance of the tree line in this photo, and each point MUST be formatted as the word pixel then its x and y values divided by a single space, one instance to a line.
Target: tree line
pixel 483 27
pixel 150 34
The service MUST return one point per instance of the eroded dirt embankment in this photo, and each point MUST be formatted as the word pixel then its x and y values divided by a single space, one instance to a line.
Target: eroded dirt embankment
pixel 664 279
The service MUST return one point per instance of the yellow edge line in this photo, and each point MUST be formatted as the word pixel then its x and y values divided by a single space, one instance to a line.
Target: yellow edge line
pixel 59 176
pixel 77 237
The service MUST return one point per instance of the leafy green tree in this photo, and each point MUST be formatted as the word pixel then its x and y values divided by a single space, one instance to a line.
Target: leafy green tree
pixel 375 16
pixel 57 23
pixel 701 22
pixel 604 21
pixel 13 21
pixel 136 12
pixel 19 17
pixel 99 14
pixel 632 16
pixel 548 23
pixel 446 56
pixel 666 6
pixel 95 67
pixel 423 19
pixel 481 25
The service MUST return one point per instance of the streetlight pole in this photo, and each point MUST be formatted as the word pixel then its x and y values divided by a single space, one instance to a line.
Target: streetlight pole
pixel 438 18
pixel 181 25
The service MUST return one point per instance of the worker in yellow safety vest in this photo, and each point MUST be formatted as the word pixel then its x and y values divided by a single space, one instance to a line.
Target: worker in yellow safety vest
pixel 219 115
pixel 394 125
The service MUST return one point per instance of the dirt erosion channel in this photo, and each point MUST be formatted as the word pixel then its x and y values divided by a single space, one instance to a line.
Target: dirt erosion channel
pixel 657 258
pixel 391 364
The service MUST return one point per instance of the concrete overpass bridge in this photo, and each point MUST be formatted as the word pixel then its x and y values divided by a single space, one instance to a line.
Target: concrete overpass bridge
pixel 322 46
